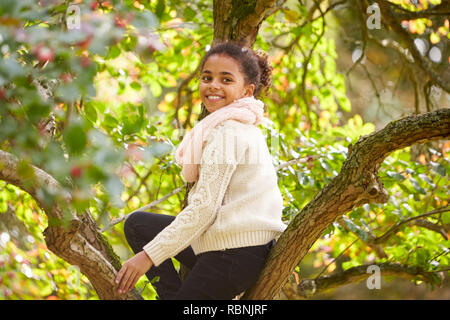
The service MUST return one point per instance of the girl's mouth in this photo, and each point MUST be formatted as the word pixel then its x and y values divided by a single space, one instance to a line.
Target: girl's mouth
pixel 214 98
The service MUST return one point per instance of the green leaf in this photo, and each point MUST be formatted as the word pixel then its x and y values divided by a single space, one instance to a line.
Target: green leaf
pixel 155 88
pixel 329 230
pixel 75 138
pixel 349 264
pixel 68 92
pixel 302 178
pixel 345 104
pixel 427 179
pixel 115 188
pixel 10 69
pixel 145 20
pixel 136 85
pixel 110 121
pixel 445 217
pixel 297 30
pixel 438 168
pixel 131 125
pixel 356 229
pixel 160 7
pixel 91 113
pixel 417 186
pixel 397 176
pixel 114 52
pixel 325 165
pixel 189 14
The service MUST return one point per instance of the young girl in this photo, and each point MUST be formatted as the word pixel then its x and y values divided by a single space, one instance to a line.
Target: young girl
pixel 234 209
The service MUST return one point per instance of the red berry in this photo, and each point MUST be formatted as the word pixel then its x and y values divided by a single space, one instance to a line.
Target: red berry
pixel 85 43
pixel 44 54
pixel 76 172
pixel 94 5
pixel 85 61
pixel 66 77
pixel 120 22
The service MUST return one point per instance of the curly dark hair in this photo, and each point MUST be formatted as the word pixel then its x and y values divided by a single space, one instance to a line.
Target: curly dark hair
pixel 254 64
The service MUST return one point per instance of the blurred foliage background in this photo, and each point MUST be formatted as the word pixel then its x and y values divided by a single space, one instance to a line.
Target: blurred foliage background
pixel 99 93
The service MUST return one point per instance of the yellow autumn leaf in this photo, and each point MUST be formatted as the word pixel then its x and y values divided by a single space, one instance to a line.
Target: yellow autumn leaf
pixel 292 15
pixel 163 107
pixel 442 31
pixel 434 38
pixel 421 25
pixel 171 80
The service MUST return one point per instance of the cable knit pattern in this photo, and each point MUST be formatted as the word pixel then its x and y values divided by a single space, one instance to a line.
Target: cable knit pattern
pixel 234 203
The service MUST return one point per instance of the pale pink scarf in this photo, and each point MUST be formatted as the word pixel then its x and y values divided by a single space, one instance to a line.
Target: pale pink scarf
pixel 188 154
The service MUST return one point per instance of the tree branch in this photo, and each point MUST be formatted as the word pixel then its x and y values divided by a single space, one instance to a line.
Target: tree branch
pixel 394 229
pixel 182 87
pixel 356 184
pixel 73 237
pixel 390 19
pixel 361 9
pixel 310 287
pixel 403 14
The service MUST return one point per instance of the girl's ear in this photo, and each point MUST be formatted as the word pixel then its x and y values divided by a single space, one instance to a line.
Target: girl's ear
pixel 249 90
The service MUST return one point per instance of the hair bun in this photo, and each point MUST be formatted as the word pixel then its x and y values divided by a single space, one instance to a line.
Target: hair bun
pixel 266 71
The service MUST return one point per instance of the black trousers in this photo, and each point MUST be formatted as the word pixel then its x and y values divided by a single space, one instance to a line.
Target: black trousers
pixel 218 275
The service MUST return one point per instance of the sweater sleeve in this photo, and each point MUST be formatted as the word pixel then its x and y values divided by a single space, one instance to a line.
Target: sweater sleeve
pixel 217 165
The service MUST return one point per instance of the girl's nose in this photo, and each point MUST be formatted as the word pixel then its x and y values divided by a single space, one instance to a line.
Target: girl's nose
pixel 214 84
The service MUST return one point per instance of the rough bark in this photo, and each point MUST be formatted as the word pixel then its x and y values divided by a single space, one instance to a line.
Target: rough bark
pixel 356 184
pixel 74 237
pixel 240 20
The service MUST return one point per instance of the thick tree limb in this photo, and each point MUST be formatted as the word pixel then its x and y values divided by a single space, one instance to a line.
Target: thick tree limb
pixel 74 237
pixel 356 184
pixel 310 287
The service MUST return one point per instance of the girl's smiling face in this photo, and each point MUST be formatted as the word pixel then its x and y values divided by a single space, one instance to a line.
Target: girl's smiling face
pixel 222 82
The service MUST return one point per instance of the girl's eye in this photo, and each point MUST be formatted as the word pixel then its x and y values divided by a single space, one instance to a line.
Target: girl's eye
pixel 208 78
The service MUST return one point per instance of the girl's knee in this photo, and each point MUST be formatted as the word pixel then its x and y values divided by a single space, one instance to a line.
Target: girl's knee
pixel 145 225
pixel 138 218
pixel 131 220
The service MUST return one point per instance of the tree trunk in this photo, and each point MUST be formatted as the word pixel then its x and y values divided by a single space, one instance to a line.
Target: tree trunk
pixel 240 20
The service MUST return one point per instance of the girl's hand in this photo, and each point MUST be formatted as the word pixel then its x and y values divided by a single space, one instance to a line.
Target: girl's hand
pixel 132 270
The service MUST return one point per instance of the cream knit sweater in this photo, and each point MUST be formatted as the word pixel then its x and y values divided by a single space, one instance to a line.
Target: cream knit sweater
pixel 235 202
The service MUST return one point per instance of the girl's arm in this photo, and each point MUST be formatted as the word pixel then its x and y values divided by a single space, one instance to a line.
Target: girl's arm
pixel 218 164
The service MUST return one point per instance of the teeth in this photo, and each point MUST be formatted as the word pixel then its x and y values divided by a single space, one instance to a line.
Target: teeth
pixel 214 97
